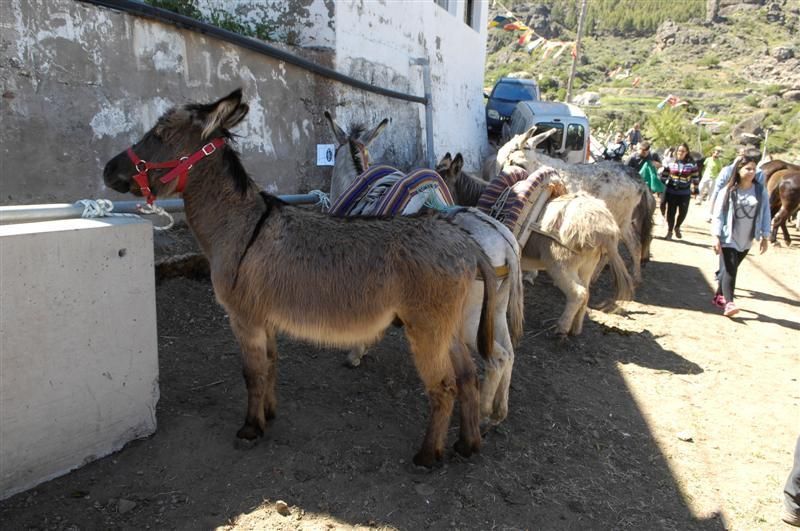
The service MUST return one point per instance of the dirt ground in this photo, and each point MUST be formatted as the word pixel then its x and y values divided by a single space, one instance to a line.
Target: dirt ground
pixel 664 416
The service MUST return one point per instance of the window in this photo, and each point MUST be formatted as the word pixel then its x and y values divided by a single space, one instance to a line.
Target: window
pixel 514 92
pixel 574 137
pixel 552 145
pixel 470 15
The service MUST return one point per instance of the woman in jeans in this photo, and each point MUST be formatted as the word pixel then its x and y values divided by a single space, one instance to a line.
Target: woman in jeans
pixel 683 174
pixel 741 215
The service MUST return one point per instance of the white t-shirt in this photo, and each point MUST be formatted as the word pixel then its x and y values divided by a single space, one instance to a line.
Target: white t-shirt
pixel 745 207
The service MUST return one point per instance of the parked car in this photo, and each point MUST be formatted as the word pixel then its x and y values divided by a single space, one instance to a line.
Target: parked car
pixel 570 142
pixel 504 96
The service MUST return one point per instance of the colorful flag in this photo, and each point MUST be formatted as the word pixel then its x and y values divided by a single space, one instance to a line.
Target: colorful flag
pixel 535 44
pixel 499 20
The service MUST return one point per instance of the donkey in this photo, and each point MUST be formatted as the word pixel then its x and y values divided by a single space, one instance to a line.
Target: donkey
pixel 332 281
pixel 586 230
pixel 783 184
pixel 609 181
pixel 499 244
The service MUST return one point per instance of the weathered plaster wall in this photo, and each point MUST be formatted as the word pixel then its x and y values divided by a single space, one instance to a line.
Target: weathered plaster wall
pixel 376 44
pixel 80 83
pixel 306 23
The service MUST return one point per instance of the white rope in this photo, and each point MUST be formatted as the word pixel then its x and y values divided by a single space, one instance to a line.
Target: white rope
pixel 322 199
pixel 158 211
pixel 100 208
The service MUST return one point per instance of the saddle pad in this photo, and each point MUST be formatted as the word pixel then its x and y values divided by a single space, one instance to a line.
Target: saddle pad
pixel 385 191
pixel 512 196
pixel 411 193
pixel 358 190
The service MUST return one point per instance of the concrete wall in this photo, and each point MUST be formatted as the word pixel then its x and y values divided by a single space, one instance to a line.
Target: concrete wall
pixel 376 44
pixel 78 345
pixel 81 83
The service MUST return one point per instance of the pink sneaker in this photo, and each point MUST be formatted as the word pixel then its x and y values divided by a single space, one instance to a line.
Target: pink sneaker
pixel 719 301
pixel 730 310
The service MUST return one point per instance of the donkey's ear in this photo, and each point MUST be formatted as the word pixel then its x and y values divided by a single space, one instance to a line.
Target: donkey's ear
pixel 458 164
pixel 225 113
pixel 446 160
pixel 338 132
pixel 372 135
pixel 522 140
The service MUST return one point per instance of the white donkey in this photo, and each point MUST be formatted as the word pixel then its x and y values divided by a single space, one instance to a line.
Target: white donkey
pixel 499 244
pixel 625 195
pixel 585 230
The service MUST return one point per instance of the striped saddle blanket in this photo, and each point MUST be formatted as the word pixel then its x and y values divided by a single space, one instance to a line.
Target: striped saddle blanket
pixel 386 191
pixel 517 198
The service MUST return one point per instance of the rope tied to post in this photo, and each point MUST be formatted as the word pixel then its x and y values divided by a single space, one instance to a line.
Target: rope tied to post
pixel 99 208
pixel 322 199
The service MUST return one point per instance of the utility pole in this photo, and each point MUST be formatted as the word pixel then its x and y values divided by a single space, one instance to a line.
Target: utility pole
pixel 577 51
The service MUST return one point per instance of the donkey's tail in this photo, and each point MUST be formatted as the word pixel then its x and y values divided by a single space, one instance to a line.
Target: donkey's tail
pixel 623 280
pixel 516 298
pixel 485 339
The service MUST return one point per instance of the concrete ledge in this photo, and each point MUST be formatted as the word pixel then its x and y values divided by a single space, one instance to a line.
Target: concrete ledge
pixel 78 345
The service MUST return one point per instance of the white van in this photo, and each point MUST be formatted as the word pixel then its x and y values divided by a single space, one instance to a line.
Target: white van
pixel 570 143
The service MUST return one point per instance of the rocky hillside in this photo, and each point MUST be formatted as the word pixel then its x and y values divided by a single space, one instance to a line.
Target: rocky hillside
pixel 738 71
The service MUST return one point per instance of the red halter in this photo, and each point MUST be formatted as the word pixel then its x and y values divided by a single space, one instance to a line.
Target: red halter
pixel 180 168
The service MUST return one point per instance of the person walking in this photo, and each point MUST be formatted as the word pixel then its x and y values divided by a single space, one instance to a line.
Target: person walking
pixel 634 135
pixel 616 149
pixel 647 164
pixel 683 173
pixel 711 168
pixel 791 491
pixel 741 215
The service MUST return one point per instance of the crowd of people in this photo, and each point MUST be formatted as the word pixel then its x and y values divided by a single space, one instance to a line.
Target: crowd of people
pixel 738 200
pixel 738 212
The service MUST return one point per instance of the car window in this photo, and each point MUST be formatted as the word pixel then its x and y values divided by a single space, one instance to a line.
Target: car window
pixel 518 122
pixel 553 144
pixel 514 91
pixel 574 137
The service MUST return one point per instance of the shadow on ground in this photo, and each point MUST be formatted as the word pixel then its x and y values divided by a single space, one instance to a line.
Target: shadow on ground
pixel 574 453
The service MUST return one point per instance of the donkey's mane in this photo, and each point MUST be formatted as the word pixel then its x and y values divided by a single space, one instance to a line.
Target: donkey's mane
pixel 469 188
pixel 241 180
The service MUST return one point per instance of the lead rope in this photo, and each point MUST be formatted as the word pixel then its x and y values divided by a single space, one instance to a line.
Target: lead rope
pixel 100 208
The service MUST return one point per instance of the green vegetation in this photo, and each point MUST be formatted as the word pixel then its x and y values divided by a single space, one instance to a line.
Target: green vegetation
pixel 634 68
pixel 620 17
pixel 223 19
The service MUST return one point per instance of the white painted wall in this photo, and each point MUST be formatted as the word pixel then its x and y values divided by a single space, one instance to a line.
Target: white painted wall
pixel 78 345
pixel 374 41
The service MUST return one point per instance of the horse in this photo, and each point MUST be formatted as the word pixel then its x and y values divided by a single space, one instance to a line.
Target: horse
pixel 352 160
pixel 783 185
pixel 617 185
pixel 586 230
pixel 282 268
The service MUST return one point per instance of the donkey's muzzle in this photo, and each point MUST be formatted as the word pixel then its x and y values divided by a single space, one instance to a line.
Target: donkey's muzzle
pixel 113 179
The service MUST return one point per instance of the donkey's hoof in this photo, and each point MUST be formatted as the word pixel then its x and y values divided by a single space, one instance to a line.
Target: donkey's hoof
pixel 466 449
pixel 245 444
pixel 351 363
pixel 249 432
pixel 426 459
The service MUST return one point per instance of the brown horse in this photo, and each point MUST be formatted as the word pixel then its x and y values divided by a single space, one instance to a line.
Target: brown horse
pixel 333 281
pixel 783 185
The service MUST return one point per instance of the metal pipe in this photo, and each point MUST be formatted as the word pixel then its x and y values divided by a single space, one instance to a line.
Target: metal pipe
pixel 31 213
pixel 181 21
pixel 427 87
